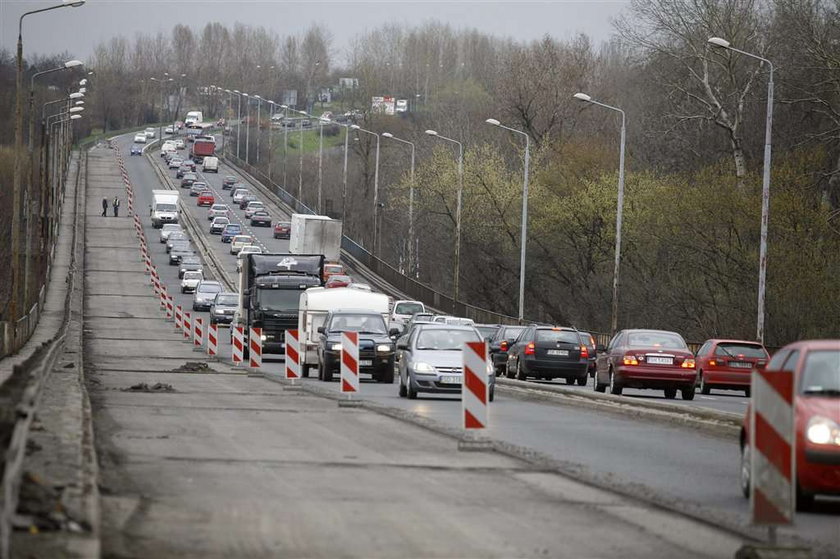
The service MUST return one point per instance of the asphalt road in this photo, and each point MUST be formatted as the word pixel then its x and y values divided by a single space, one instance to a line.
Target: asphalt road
pixel 668 461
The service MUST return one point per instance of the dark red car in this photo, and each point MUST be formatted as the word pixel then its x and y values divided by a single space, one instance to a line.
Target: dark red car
pixel 206 199
pixel 282 230
pixel 815 366
pixel 728 364
pixel 332 269
pixel 338 280
pixel 655 359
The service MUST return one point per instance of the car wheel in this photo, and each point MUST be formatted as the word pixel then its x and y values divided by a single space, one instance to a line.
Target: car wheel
pixel 521 374
pixel 670 393
pixel 410 390
pixel 492 394
pixel 570 381
pixel 597 386
pixel 804 501
pixel 704 388
pixel 582 380
pixel 509 373
pixel 304 370
pixel 403 391
pixel 744 478
pixel 615 388
pixel 183 290
pixel 688 393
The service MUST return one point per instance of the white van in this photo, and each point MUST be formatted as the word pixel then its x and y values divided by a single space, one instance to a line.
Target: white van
pixel 316 302
pixel 211 165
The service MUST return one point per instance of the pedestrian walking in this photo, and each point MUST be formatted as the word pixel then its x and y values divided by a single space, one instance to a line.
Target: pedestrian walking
pixel 116 206
pixel 104 207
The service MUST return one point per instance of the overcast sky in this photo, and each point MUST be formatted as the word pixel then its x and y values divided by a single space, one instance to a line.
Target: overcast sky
pixel 78 30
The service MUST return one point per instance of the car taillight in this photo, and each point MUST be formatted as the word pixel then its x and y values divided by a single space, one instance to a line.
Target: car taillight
pixel 584 352
pixel 529 349
pixel 503 346
pixel 761 364
pixel 688 363
pixel 630 360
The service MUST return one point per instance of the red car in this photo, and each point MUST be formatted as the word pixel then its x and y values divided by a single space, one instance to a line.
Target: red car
pixel 282 230
pixel 815 366
pixel 332 269
pixel 338 280
pixel 206 199
pixel 654 359
pixel 728 364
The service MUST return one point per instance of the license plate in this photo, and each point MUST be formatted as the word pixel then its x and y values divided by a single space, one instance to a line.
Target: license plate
pixel 366 363
pixel 560 352
pixel 653 360
pixel 450 379
pixel 740 364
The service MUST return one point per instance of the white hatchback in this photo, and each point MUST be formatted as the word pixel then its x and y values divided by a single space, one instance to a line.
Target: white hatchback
pixel 140 138
pixel 217 210
pixel 238 242
pixel 191 281
pixel 247 249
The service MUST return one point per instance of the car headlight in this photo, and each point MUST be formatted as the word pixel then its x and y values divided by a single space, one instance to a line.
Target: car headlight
pixel 335 347
pixel 423 368
pixel 384 348
pixel 822 430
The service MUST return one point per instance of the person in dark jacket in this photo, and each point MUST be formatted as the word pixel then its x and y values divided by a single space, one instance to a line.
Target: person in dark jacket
pixel 104 207
pixel 116 206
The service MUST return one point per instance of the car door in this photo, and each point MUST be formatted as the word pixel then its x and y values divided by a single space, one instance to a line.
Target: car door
pixel 517 348
pixel 602 363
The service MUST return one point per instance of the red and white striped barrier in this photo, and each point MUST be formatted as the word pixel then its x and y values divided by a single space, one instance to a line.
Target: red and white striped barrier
pixel 187 326
pixel 169 310
pixel 163 298
pixel 292 355
pixel 772 448
pixel 350 362
pixel 255 348
pixel 198 332
pixel 475 390
pixel 212 339
pixel 179 318
pixel 237 346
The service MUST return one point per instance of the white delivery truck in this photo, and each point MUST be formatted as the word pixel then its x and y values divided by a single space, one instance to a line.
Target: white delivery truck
pixel 193 117
pixel 210 165
pixel 315 234
pixel 316 302
pixel 165 207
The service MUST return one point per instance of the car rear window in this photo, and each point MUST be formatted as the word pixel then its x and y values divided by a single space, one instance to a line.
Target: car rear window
pixel 735 350
pixel 209 288
pixel 664 340
pixel 444 339
pixel 821 373
pixel 227 299
pixel 408 308
pixel 510 332
pixel 566 336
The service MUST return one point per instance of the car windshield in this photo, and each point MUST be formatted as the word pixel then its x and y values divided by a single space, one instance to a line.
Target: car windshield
pixel 221 221
pixel 227 300
pixel 442 339
pixel 408 308
pixel 511 332
pixel 192 275
pixel 218 207
pixel 233 228
pixel 741 350
pixel 165 207
pixel 821 373
pixel 171 227
pixel 553 336
pixel 334 269
pixel 362 323
pixel 664 340
pixel 487 331
pixel 278 299
pixel 209 288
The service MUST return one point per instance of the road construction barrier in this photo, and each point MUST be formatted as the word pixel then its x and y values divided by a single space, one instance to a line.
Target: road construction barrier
pixel 237 346
pixel 163 298
pixel 212 339
pixel 292 355
pixel 255 348
pixel 198 332
pixel 475 390
pixel 179 318
pixel 187 326
pixel 169 310
pixel 349 362
pixel 772 448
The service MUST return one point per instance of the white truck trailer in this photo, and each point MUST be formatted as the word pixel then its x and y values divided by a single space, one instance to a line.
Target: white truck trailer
pixel 165 207
pixel 315 234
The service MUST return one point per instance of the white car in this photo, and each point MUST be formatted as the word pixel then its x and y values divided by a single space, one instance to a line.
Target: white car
pixel 238 242
pixel 217 210
pixel 360 286
pixel 191 281
pixel 140 138
pixel 175 162
pixel 167 229
pixel 247 249
pixel 150 132
pixel 252 207
pixel 179 144
pixel 240 192
pixel 169 130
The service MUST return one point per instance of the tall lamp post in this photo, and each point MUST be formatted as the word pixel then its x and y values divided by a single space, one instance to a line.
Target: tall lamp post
pixel 162 82
pixel 259 134
pixel 321 121
pixel 18 170
pixel 285 142
pixel 765 185
pixel 238 119
pixel 411 266
pixel 620 210
pixel 523 236
pixel 358 128
pixel 456 273
pixel 247 125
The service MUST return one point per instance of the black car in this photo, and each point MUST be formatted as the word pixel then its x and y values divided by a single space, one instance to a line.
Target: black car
pixel 182 170
pixel 188 179
pixel 190 264
pixel 223 307
pixel 547 352
pixel 228 182
pixel 499 345
pixel 175 236
pixel 261 218
pixel 180 251
pixel 376 346
pixel 136 150
pixel 588 340
pixel 487 331
pixel 245 199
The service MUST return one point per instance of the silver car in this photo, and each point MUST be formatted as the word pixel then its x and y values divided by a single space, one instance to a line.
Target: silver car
pixel 223 307
pixel 167 229
pixel 430 359
pixel 205 293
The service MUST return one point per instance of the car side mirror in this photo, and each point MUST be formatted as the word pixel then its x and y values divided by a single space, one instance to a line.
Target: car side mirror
pixel 321 329
pixel 402 345
pixel 394 332
pixel 600 348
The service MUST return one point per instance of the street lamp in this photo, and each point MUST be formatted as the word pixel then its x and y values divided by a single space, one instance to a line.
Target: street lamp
pixel 238 120
pixel 358 128
pixel 620 210
pixel 321 121
pixel 523 236
pixel 456 274
pixel 285 141
pixel 765 184
pixel 66 66
pixel 411 265
pixel 247 125
pixel 259 134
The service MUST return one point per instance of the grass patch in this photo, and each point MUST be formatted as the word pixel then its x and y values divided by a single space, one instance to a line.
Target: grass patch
pixel 310 140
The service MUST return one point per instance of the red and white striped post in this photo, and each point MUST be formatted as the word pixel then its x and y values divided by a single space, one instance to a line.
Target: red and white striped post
pixel 163 298
pixel 179 318
pixel 212 339
pixel 772 449
pixel 237 346
pixel 169 310
pixel 255 348
pixel 292 364
pixel 187 326
pixel 198 332
pixel 475 390
pixel 349 363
